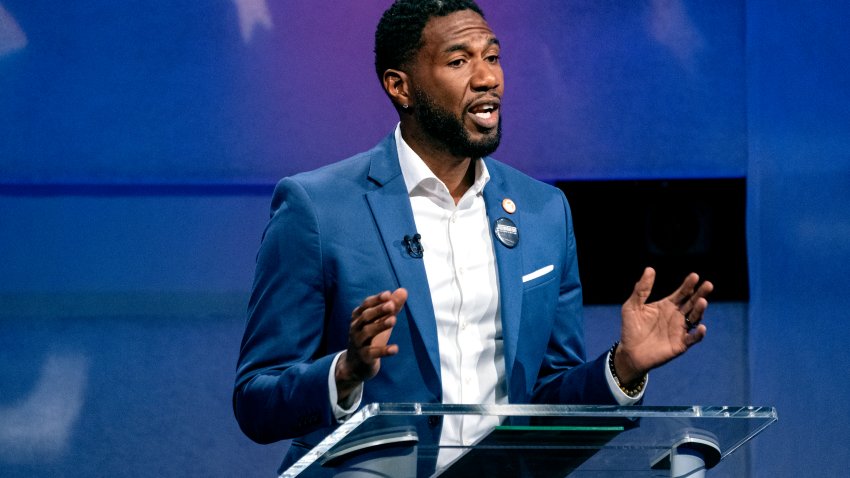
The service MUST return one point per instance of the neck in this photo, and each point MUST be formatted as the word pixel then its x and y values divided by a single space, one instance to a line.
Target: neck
pixel 457 173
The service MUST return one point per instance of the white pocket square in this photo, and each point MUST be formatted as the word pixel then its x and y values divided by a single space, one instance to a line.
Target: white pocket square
pixel 538 273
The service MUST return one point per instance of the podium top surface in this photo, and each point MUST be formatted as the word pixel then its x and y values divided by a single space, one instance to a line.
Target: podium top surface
pixel 534 440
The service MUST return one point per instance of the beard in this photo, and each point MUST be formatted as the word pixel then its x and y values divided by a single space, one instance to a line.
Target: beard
pixel 442 126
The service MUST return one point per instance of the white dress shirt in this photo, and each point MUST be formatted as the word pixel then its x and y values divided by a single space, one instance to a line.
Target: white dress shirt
pixel 461 268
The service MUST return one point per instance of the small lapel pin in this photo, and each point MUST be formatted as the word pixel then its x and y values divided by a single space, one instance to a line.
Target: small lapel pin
pixel 508 205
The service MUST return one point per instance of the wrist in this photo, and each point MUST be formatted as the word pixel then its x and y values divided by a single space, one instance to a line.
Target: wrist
pixel 346 380
pixel 624 366
pixel 630 380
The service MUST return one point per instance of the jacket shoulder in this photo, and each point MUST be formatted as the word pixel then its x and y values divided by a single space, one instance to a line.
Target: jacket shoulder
pixel 515 180
pixel 348 175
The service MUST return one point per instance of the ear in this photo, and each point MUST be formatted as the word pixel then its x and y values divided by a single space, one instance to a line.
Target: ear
pixel 397 86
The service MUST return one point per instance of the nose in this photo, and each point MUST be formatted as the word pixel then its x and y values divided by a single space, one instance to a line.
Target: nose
pixel 486 76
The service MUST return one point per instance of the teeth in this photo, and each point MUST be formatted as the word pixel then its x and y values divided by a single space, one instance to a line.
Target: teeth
pixel 484 111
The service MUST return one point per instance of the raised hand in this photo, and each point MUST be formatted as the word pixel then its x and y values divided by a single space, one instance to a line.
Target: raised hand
pixel 655 333
pixel 372 323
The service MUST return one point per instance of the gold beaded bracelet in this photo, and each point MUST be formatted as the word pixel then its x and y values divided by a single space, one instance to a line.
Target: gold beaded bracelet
pixel 632 391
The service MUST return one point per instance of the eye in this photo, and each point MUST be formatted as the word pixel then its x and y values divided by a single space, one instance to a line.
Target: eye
pixel 456 63
pixel 492 59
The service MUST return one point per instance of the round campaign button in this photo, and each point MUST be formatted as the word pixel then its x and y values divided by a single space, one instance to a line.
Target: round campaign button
pixel 506 232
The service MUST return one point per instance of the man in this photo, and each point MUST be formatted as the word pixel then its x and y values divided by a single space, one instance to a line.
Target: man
pixel 481 298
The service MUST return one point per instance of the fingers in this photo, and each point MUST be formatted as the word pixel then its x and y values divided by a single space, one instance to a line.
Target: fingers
pixel 384 301
pixel 695 336
pixel 370 302
pixel 375 352
pixel 685 291
pixel 370 335
pixel 371 325
pixel 693 304
pixel 643 288
pixel 377 307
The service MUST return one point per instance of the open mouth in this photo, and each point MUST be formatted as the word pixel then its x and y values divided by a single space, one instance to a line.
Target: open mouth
pixel 485 114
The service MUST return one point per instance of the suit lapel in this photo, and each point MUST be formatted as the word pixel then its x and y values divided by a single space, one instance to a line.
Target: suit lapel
pixel 390 206
pixel 509 262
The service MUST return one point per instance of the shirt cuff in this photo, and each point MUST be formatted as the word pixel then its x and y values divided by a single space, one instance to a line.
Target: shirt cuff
pixel 619 395
pixel 351 404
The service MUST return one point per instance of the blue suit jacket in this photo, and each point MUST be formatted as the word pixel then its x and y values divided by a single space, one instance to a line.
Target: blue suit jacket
pixel 335 237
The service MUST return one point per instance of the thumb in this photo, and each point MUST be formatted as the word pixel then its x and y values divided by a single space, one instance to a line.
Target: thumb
pixel 643 288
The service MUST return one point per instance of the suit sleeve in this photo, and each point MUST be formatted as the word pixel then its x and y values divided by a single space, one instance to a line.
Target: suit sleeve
pixel 282 373
pixel 565 377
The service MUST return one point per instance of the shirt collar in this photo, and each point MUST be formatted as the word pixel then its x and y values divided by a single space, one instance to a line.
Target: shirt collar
pixel 418 176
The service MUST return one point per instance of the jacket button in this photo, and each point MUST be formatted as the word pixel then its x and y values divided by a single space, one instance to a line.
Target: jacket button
pixel 433 421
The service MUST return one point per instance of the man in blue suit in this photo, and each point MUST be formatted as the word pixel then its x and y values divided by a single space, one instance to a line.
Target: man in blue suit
pixel 481 298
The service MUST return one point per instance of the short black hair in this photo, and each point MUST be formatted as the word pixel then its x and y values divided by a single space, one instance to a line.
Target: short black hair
pixel 399 33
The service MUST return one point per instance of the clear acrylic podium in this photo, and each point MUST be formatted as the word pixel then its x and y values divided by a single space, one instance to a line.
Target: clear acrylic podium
pixel 401 440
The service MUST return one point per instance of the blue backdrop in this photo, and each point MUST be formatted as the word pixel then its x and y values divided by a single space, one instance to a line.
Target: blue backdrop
pixel 139 141
pixel 251 90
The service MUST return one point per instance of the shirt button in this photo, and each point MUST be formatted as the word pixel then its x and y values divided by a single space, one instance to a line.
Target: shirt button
pixel 454 219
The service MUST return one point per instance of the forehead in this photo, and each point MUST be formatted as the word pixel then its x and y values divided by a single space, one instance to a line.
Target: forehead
pixel 458 28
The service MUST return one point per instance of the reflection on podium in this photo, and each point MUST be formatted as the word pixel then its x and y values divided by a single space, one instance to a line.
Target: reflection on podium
pixel 536 441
